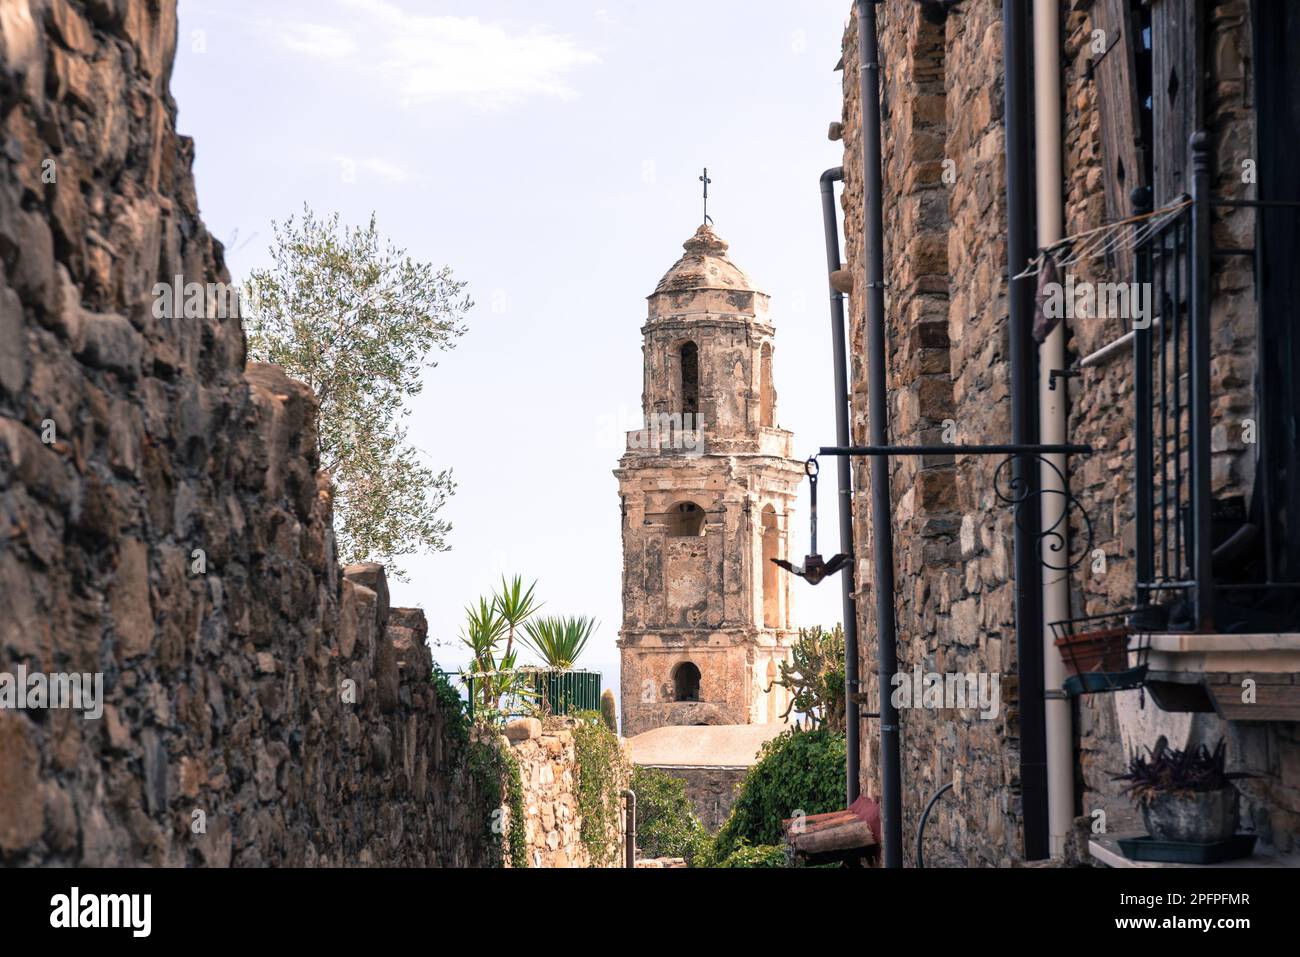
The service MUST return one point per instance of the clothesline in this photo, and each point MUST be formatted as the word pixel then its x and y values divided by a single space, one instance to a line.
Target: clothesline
pixel 1102 240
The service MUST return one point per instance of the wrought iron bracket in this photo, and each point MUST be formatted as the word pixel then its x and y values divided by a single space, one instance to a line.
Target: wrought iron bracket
pixel 1090 68
pixel 1055 374
pixel 1008 488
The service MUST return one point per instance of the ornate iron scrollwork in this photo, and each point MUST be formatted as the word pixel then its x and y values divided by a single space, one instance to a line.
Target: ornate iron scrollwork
pixel 1011 490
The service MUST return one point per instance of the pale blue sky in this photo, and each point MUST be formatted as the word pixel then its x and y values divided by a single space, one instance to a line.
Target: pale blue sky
pixel 549 153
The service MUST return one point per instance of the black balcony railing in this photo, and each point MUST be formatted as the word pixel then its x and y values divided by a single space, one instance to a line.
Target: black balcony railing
pixel 1163 448
pixel 1203 563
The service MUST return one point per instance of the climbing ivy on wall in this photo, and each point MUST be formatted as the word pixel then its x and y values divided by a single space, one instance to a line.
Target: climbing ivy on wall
pixel 599 762
pixel 490 764
pixel 496 774
pixel 452 706
pixel 518 834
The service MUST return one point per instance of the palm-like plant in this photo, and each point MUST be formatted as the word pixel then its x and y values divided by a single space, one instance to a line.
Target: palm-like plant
pixel 483 629
pixel 515 606
pixel 559 640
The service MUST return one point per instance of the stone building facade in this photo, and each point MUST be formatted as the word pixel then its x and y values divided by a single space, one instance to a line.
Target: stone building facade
pixel 707 491
pixel 947 358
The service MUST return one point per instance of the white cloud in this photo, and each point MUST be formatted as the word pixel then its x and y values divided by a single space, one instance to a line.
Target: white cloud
pixel 420 57
pixel 385 170
pixel 352 169
pixel 315 40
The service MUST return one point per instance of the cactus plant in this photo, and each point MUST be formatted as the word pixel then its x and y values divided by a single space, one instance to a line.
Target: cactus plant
pixel 607 710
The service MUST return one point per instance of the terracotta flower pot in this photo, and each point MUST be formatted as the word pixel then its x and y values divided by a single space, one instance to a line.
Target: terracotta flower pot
pixel 1102 650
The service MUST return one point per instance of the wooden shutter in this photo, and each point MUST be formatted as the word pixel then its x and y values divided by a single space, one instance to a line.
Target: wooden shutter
pixel 1176 93
pixel 1117 106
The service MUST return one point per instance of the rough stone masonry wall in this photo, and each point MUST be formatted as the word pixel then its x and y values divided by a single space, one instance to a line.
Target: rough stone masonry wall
pixel 946 318
pixel 945 312
pixel 711 791
pixel 224 684
pixel 549 772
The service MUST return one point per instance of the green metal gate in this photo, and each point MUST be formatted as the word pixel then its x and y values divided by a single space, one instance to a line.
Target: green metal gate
pixel 566 691
pixel 551 691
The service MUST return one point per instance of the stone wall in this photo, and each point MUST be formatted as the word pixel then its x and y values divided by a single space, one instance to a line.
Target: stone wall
pixel 947 380
pixel 163 521
pixel 711 791
pixel 946 316
pixel 549 771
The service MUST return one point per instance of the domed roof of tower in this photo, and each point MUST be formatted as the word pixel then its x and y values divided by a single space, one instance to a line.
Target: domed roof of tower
pixel 704 266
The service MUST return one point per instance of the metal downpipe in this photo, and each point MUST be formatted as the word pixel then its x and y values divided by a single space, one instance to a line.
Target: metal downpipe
pixel 1029 624
pixel 629 835
pixel 839 349
pixel 882 533
pixel 1052 425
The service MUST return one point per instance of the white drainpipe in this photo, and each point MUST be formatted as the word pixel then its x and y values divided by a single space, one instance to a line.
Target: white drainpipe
pixel 1052 421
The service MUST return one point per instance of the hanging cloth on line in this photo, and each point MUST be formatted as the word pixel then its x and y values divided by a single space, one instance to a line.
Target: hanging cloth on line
pixel 1048 276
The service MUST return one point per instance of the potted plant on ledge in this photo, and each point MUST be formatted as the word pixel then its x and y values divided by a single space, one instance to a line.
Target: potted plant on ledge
pixel 1103 653
pixel 1188 804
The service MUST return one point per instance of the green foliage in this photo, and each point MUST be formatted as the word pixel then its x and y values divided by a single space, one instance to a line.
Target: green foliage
pixel 599 801
pixel 496 773
pixel 701 852
pixel 452 705
pixel 797 771
pixel 609 710
pixel 489 764
pixel 761 855
pixel 814 676
pixel 499 685
pixel 518 832
pixel 514 605
pixel 356 319
pixel 558 640
pixel 492 677
pixel 666 825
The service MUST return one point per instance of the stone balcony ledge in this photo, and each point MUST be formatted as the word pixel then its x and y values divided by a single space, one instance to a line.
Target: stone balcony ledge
pixel 1242 677
pixel 1237 653
pixel 667 440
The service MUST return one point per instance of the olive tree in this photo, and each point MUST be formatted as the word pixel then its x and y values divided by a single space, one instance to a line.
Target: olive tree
pixel 356 319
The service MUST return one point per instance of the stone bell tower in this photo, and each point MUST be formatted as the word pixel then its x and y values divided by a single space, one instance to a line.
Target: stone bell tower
pixel 708 490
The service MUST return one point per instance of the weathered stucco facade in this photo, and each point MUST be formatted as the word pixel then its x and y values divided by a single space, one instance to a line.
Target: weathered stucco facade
pixel 708 490
pixel 946 314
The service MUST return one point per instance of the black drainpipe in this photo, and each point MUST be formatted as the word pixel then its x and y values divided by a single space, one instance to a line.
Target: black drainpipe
pixel 629 836
pixel 882 532
pixel 1029 625
pixel 852 712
